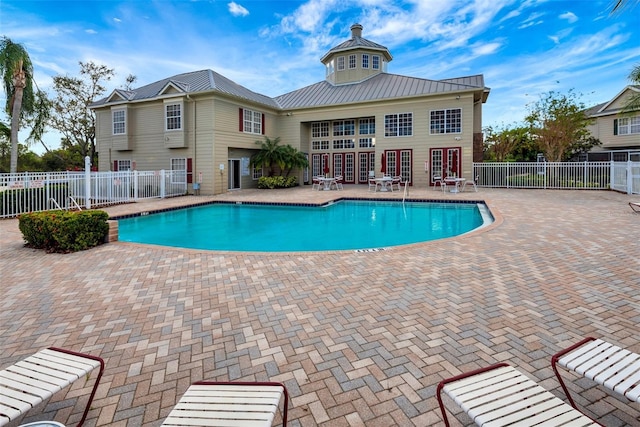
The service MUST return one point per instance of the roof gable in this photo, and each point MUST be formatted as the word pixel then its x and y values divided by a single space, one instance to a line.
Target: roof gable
pixel 188 83
pixel 615 105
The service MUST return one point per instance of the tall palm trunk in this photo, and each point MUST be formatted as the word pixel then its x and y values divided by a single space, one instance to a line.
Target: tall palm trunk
pixel 19 83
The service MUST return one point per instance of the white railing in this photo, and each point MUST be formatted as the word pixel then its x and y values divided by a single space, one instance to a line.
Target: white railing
pixel 40 191
pixel 619 176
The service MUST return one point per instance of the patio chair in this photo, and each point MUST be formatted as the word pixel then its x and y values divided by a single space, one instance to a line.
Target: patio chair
pixel 500 395
pixel 613 367
pixel 339 179
pixel 208 403
pixel 374 184
pixel 439 180
pixel 31 381
pixel 397 181
pixel 473 182
pixel 635 206
pixel 316 183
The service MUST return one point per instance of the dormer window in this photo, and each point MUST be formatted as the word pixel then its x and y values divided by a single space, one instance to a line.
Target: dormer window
pixel 340 63
pixel 352 62
pixel 375 62
pixel 365 61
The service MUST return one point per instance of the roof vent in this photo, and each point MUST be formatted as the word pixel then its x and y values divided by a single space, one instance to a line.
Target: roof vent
pixel 356 31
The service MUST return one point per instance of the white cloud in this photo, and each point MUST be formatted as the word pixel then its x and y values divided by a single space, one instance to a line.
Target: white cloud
pixel 237 10
pixel 118 20
pixel 90 31
pixel 569 16
pixel 486 49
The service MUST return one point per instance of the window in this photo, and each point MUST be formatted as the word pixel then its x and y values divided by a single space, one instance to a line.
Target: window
pixel 375 62
pixel 398 124
pixel 352 61
pixel 252 122
pixel 343 143
pixel 119 122
pixel 178 171
pixel 320 130
pixel 320 145
pixel 344 127
pixel 122 165
pixel 366 143
pixel 257 172
pixel 173 116
pixel 367 126
pixel 446 121
pixel 628 125
pixel 365 60
pixel 340 63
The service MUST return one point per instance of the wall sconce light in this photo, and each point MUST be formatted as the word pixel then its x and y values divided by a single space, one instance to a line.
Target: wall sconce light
pixel 457 138
pixel 458 97
pixel 288 114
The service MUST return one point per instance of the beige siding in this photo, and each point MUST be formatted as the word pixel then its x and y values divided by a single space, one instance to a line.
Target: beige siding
pixel 603 130
pixel 296 130
pixel 211 135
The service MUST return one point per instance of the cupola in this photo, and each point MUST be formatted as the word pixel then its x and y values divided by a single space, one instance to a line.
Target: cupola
pixel 356 59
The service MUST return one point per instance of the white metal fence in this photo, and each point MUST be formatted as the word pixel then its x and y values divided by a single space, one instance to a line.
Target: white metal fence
pixel 620 176
pixel 40 191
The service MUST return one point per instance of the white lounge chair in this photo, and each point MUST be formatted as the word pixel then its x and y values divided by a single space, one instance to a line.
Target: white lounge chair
pixel 31 381
pixel 611 366
pixel 500 395
pixel 208 403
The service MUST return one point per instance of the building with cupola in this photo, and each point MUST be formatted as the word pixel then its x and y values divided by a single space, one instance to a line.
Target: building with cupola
pixel 360 114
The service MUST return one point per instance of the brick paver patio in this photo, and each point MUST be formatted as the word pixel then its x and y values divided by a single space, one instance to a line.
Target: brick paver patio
pixel 360 339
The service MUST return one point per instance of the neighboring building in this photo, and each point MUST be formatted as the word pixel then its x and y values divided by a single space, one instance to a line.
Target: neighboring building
pixel 207 125
pixel 619 132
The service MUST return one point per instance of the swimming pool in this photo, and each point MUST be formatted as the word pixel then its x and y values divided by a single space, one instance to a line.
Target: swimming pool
pixel 343 225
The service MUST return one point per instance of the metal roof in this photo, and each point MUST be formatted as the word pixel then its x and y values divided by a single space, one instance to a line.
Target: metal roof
pixel 190 83
pixel 357 42
pixel 379 87
pixel 382 86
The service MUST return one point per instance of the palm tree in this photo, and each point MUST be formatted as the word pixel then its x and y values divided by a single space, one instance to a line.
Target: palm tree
pixel 270 154
pixel 633 103
pixel 17 76
pixel 293 159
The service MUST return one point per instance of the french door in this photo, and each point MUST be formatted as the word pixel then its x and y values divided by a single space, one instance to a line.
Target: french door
pixel 398 163
pixel 366 164
pixel 344 164
pixel 444 162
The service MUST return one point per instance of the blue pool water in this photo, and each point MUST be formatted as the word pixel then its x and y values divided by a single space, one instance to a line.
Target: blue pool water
pixel 283 228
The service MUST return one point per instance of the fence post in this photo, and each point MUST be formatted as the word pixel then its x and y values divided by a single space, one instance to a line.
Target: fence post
pixel 135 184
pixel 629 177
pixel 612 177
pixel 162 184
pixel 87 182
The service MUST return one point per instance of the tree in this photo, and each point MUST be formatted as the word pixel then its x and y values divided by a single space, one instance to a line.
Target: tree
pixel 633 102
pixel 270 154
pixel 559 122
pixel 293 159
pixel 17 76
pixel 508 143
pixel 71 114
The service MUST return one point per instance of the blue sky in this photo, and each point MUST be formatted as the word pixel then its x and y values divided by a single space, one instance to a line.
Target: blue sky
pixel 523 48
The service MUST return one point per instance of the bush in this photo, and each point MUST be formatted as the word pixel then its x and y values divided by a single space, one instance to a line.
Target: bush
pixel 272 182
pixel 60 231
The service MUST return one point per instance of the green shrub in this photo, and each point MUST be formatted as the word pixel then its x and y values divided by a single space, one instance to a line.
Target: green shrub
pixel 60 231
pixel 272 182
